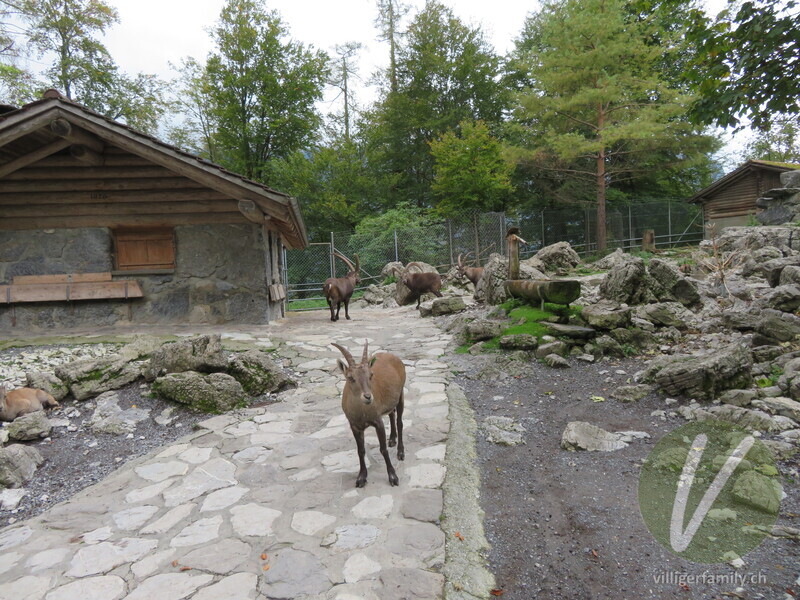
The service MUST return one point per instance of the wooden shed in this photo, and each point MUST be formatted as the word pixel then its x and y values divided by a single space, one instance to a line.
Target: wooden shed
pixel 731 200
pixel 101 224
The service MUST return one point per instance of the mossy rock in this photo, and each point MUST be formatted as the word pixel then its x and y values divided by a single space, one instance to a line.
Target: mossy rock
pixel 215 393
pixel 257 373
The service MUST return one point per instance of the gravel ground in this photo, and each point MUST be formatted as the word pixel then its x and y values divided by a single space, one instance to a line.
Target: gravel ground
pixel 567 524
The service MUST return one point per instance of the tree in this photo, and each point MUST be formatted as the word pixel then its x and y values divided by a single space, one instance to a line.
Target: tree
pixel 344 70
pixel 471 172
pixel 389 14
pixel 779 143
pixel 262 89
pixel 195 130
pixel 597 103
pixel 446 72
pixel 746 67
pixel 83 69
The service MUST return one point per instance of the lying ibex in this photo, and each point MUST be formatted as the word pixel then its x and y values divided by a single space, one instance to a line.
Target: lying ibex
pixel 474 274
pixel 421 283
pixel 338 290
pixel 374 388
pixel 23 401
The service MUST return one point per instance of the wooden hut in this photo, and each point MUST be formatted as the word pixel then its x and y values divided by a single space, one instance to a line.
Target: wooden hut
pixel 101 224
pixel 731 200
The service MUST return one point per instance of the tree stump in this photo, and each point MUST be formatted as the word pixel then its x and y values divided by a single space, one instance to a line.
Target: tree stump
pixel 649 240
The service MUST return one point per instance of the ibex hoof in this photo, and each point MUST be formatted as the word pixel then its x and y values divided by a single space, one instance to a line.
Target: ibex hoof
pixel 392 443
pixel 347 317
pixel 361 482
pixel 393 480
pixel 401 454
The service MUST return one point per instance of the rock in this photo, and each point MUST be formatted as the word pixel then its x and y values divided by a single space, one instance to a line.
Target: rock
pixel 32 426
pixel 785 298
pixel 612 260
pixel 491 287
pixel 780 406
pixel 607 346
pixel 482 329
pixel 607 314
pixel 556 362
pixel 781 450
pixel 90 377
pixel 779 326
pixel 574 332
pixel 666 314
pixel 203 354
pixel 447 306
pixel 108 417
pixel 580 435
pixel 257 372
pixel 790 275
pixel 47 382
pixel 519 341
pixel 18 463
pixel 214 393
pixel 294 573
pixel 503 431
pixel 558 258
pixel 556 347
pixel 377 294
pixel 702 376
pixel 738 397
pixel 626 282
pixel 422 505
pixel 391 269
pixel 631 393
pixel 752 420
pixel 757 490
pixel 633 336
pixel 10 498
pixel 669 284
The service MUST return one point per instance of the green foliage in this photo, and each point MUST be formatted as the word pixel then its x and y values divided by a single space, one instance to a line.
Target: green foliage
pixel 771 379
pixel 262 88
pixel 746 67
pixel 389 280
pixel 779 142
pixel 470 170
pixel 83 68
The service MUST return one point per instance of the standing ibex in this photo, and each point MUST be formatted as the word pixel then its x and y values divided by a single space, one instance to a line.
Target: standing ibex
pixel 338 290
pixel 421 283
pixel 374 388
pixel 474 274
pixel 23 401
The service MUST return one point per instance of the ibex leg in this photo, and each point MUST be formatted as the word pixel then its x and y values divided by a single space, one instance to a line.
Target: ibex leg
pixel 346 308
pixel 330 305
pixel 393 432
pixel 401 452
pixel 338 308
pixel 362 473
pixel 393 480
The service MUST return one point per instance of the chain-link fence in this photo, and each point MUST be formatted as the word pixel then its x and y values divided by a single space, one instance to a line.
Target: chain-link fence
pixel 675 223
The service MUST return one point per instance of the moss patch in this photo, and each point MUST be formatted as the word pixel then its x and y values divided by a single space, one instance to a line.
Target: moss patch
pixel 528 320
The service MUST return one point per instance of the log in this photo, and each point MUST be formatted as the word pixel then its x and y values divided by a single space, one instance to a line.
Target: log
pixel 557 291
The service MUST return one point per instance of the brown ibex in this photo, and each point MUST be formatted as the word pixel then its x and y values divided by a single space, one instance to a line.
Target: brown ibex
pixel 374 388
pixel 338 290
pixel 23 401
pixel 474 274
pixel 421 283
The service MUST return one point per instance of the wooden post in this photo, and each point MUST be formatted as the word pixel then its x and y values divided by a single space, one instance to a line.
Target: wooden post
pixel 649 240
pixel 512 244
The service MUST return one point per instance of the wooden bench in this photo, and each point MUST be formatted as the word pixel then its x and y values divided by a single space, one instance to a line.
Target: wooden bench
pixel 69 287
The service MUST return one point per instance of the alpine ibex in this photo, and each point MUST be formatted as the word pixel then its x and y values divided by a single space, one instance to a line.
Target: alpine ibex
pixel 474 274
pixel 421 283
pixel 23 401
pixel 338 290
pixel 374 388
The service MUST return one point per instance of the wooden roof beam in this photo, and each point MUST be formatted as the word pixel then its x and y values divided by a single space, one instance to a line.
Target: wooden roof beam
pixel 252 212
pixel 87 155
pixel 32 157
pixel 64 129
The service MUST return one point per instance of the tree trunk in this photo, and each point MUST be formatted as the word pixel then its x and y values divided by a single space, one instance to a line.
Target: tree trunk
pixel 561 291
pixel 601 183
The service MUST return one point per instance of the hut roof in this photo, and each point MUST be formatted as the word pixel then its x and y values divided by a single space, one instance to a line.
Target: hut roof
pixel 743 170
pixel 54 125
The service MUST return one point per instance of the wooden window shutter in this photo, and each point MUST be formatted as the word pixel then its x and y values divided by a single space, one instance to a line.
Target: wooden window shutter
pixel 145 248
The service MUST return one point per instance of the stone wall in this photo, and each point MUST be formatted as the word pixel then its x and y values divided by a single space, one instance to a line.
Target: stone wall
pixel 219 278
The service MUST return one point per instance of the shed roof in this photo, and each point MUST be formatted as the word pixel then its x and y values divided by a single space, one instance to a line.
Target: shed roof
pixel 55 125
pixel 742 171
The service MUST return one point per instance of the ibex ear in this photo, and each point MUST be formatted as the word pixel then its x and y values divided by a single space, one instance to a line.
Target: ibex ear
pixel 342 365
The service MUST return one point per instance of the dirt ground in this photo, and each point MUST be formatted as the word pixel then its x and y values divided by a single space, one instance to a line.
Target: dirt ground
pixel 567 525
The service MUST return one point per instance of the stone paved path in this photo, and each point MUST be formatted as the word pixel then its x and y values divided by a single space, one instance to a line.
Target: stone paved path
pixel 262 504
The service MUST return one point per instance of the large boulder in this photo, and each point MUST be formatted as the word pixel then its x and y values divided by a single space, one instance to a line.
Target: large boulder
pixel 557 258
pixel 612 260
pixel 785 298
pixel 491 288
pixel 790 275
pixel 519 341
pixel 483 329
pixel 753 238
pixel 669 284
pixel 92 376
pixel 607 315
pixel 447 306
pixel 779 326
pixel 257 372
pixel 391 269
pixel 203 354
pixel 759 491
pixel 44 380
pixel 32 426
pixel 627 282
pixel 214 393
pixel 703 376
pixel 377 294
pixel 666 314
pixel 109 417
pixel 18 463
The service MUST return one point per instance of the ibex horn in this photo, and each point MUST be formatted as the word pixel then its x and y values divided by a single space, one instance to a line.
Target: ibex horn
pixel 349 357
pixel 365 356
pixel 341 257
pixel 416 264
pixel 459 261
pixel 358 264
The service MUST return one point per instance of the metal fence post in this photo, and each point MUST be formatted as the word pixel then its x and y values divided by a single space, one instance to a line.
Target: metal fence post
pixel 333 258
pixel 541 214
pixel 450 239
pixel 669 220
pixel 396 255
pixel 630 226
